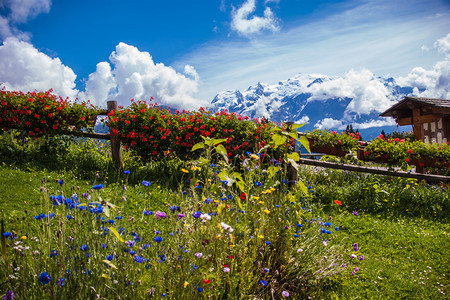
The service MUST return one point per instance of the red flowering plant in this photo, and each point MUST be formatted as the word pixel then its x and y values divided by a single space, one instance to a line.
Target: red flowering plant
pixel 324 138
pixel 152 132
pixel 41 113
pixel 429 155
pixel 391 151
pixel 403 152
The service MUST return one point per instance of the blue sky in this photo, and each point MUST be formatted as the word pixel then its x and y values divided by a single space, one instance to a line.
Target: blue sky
pixel 185 52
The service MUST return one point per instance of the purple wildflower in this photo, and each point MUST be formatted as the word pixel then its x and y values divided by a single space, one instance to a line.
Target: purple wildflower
pixel 160 214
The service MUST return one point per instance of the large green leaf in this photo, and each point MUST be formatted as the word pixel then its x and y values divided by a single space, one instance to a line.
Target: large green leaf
pixel 221 149
pixel 241 185
pixel 215 190
pixel 278 139
pixel 302 187
pixel 294 134
pixel 213 142
pixel 295 126
pixel 305 143
pixel 294 156
pixel 198 146
pixel 272 170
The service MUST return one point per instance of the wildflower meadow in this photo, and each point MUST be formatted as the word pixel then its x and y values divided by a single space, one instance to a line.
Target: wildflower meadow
pixel 219 220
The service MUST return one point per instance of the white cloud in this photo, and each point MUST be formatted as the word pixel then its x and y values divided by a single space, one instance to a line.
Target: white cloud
pixel 303 120
pixel 261 108
pixel 245 24
pixel 23 67
pixel 23 10
pixel 382 36
pixel 100 84
pixel 368 93
pixel 20 11
pixel 135 75
pixel 435 82
pixel 329 123
pixel 374 123
pixel 443 45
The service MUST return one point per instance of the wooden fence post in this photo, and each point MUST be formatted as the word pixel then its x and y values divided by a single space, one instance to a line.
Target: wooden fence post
pixel 292 172
pixel 115 142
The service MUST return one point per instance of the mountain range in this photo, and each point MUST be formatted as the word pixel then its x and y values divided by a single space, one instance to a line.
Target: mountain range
pixel 321 102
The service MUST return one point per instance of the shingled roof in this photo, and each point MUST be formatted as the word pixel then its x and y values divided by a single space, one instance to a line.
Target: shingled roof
pixel 441 105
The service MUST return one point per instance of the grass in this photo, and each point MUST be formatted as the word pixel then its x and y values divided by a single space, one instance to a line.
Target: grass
pixel 401 228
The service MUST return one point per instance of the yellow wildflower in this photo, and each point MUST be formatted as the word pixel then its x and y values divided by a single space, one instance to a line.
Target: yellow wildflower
pixel 184 170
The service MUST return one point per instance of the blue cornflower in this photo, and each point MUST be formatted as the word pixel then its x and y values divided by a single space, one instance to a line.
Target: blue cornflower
pixel 84 248
pixel 145 183
pixel 263 282
pixel 110 257
pixel 200 289
pixel 158 239
pixel 61 182
pixel 45 278
pixel 6 234
pixel 126 172
pixel 132 252
pixel 328 224
pixel 53 253
pixel 268 243
pixel 336 228
pixel 97 186
pixel 61 281
pixel 69 217
pixel 139 259
pixel 197 214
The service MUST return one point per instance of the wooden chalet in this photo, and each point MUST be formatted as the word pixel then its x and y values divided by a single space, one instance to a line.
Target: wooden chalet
pixel 429 117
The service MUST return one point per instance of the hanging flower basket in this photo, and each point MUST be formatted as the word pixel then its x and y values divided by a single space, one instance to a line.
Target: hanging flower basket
pixel 331 150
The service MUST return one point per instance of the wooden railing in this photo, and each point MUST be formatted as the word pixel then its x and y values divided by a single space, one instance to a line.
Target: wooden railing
pixel 117 158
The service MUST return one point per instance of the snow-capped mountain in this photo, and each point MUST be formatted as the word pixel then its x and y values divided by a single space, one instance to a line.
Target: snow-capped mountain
pixel 321 102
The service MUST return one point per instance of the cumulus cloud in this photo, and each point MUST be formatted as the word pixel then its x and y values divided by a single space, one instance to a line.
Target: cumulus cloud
pixel 23 67
pixel 433 83
pixel 368 92
pixel 20 11
pixel 136 76
pixel 303 120
pixel 261 108
pixel 246 24
pixel 443 45
pixel 329 123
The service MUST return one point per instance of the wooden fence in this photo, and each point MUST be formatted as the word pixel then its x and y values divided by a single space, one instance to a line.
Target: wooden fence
pixel 117 158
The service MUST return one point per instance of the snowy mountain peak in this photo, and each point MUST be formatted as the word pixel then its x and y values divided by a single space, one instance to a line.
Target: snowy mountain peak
pixel 320 101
